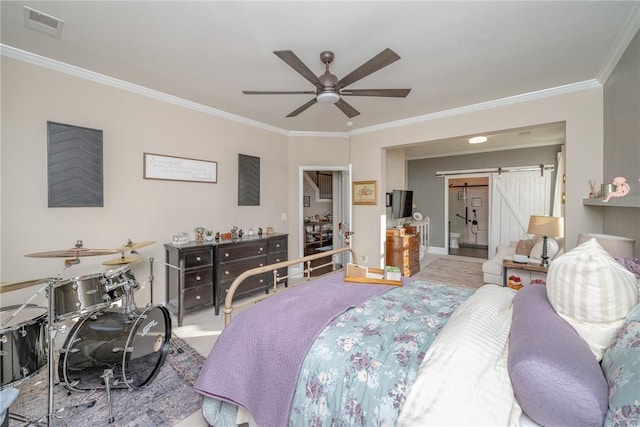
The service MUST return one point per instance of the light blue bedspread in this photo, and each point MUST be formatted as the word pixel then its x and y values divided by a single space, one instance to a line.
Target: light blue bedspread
pixel 358 371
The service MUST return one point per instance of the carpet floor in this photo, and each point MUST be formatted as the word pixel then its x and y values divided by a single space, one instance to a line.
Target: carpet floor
pixel 453 272
pixel 167 400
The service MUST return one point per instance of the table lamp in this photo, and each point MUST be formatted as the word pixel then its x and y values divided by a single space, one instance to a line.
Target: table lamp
pixel 545 226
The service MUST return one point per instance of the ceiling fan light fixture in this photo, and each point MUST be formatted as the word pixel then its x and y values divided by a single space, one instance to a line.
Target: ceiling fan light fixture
pixel 477 140
pixel 327 97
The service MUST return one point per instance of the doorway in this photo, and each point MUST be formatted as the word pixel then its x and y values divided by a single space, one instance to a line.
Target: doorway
pixel 468 216
pixel 323 222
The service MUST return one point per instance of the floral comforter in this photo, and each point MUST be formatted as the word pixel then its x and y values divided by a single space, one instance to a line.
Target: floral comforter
pixel 360 368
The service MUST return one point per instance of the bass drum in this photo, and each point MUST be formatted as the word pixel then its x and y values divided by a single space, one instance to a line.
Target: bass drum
pixel 133 345
pixel 22 343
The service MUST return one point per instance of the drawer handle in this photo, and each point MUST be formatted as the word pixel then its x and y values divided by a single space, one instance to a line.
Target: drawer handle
pixel 226 254
pixel 261 280
pixel 197 296
pixel 226 272
pixel 226 291
pixel 198 258
pixel 260 249
pixel 277 245
pixel 261 265
pixel 198 278
pixel 277 259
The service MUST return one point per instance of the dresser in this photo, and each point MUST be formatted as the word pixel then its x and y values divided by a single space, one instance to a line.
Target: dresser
pixel 233 257
pixel 402 250
pixel 208 269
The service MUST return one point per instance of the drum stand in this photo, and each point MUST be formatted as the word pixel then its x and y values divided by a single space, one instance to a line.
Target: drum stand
pixel 151 260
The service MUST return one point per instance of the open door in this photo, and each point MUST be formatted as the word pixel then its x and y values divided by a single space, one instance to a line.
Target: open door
pixel 340 209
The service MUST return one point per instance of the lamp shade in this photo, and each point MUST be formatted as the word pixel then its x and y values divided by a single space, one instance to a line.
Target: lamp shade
pixel 552 226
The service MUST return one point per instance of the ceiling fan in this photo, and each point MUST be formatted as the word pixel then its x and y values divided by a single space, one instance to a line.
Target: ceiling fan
pixel 329 89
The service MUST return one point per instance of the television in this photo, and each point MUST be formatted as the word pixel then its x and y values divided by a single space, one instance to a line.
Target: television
pixel 401 203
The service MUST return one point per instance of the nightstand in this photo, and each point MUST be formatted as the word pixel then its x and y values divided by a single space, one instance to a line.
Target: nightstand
pixel 530 266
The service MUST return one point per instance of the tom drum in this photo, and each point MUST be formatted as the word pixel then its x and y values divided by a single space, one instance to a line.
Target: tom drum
pixel 22 343
pixel 80 295
pixel 117 281
pixel 133 345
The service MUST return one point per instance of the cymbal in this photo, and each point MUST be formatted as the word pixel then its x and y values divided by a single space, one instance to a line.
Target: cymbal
pixel 14 286
pixel 73 253
pixel 131 246
pixel 123 260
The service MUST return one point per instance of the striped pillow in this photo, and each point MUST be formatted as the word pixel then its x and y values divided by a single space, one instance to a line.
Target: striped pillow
pixel 592 292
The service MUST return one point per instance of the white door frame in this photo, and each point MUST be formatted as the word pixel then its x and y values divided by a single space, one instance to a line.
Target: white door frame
pixel 345 200
pixel 446 204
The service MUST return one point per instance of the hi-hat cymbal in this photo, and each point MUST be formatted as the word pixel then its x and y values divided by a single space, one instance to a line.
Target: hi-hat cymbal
pixel 131 246
pixel 123 260
pixel 73 253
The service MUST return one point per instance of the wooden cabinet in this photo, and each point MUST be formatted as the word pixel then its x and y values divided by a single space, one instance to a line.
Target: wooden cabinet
pixel 191 287
pixel 402 250
pixel 318 237
pixel 208 269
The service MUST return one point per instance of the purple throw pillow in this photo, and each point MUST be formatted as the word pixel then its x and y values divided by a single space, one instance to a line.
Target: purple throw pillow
pixel 556 379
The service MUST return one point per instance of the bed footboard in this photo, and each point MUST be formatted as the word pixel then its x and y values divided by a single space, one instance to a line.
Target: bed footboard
pixel 305 274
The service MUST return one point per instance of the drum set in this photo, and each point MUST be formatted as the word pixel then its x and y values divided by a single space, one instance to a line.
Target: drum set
pixel 112 344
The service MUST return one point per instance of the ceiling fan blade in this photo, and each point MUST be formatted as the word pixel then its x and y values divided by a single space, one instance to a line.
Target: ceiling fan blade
pixel 394 93
pixel 294 62
pixel 346 108
pixel 379 61
pixel 275 92
pixel 302 108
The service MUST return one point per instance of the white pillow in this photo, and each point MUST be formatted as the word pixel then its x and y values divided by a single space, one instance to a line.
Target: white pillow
pixel 592 292
pixel 552 248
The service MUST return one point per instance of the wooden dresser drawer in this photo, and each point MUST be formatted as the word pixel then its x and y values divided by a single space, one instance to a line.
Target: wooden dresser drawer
pixel 278 244
pixel 198 277
pixel 198 296
pixel 246 287
pixel 197 258
pixel 245 250
pixel 229 271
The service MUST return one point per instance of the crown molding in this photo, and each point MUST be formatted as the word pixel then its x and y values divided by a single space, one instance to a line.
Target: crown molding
pixel 627 33
pixel 516 99
pixel 62 67
pixel 42 61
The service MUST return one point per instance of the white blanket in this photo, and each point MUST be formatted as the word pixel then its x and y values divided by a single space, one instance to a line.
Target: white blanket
pixel 463 379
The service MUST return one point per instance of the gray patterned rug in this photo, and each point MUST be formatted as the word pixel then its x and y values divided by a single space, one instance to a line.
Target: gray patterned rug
pixel 453 272
pixel 167 400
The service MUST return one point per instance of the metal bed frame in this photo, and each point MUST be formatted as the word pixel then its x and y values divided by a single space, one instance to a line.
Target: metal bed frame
pixel 307 269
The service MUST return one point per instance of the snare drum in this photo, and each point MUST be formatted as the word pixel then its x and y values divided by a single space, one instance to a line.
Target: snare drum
pixel 133 345
pixel 117 281
pixel 22 343
pixel 80 295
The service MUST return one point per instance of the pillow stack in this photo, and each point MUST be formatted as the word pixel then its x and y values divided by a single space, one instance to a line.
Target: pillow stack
pixel 592 292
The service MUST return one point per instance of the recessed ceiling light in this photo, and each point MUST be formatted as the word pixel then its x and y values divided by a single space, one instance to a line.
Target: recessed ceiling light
pixel 42 22
pixel 477 140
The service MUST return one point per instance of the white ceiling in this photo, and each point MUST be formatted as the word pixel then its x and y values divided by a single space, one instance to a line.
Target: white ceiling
pixel 453 54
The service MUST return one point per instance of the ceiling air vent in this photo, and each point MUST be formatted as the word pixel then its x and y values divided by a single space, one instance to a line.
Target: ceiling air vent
pixel 42 22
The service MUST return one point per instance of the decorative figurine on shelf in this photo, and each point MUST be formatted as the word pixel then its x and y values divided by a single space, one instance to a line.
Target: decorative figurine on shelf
pixel 622 188
pixel 234 232
pixel 199 234
pixel 260 231
pixel 208 235
pixel 240 233
pixel 217 237
pixel 250 232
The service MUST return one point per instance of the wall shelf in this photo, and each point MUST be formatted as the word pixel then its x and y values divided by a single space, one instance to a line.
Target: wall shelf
pixel 630 201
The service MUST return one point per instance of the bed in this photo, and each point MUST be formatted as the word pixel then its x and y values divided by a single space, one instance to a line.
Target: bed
pixel 330 352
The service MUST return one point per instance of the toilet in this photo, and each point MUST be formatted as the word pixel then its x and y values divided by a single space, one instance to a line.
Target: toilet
pixel 453 240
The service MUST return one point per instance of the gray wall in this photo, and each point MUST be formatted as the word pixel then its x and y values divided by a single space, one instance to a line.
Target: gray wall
pixel 429 191
pixel 622 140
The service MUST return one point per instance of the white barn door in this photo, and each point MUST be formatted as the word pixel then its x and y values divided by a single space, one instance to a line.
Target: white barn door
pixel 515 196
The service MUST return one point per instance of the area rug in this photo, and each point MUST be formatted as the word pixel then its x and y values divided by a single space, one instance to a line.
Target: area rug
pixel 167 400
pixel 453 272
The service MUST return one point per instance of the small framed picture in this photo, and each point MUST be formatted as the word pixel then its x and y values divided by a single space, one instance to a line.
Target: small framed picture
pixel 306 201
pixel 476 202
pixel 460 195
pixel 364 192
